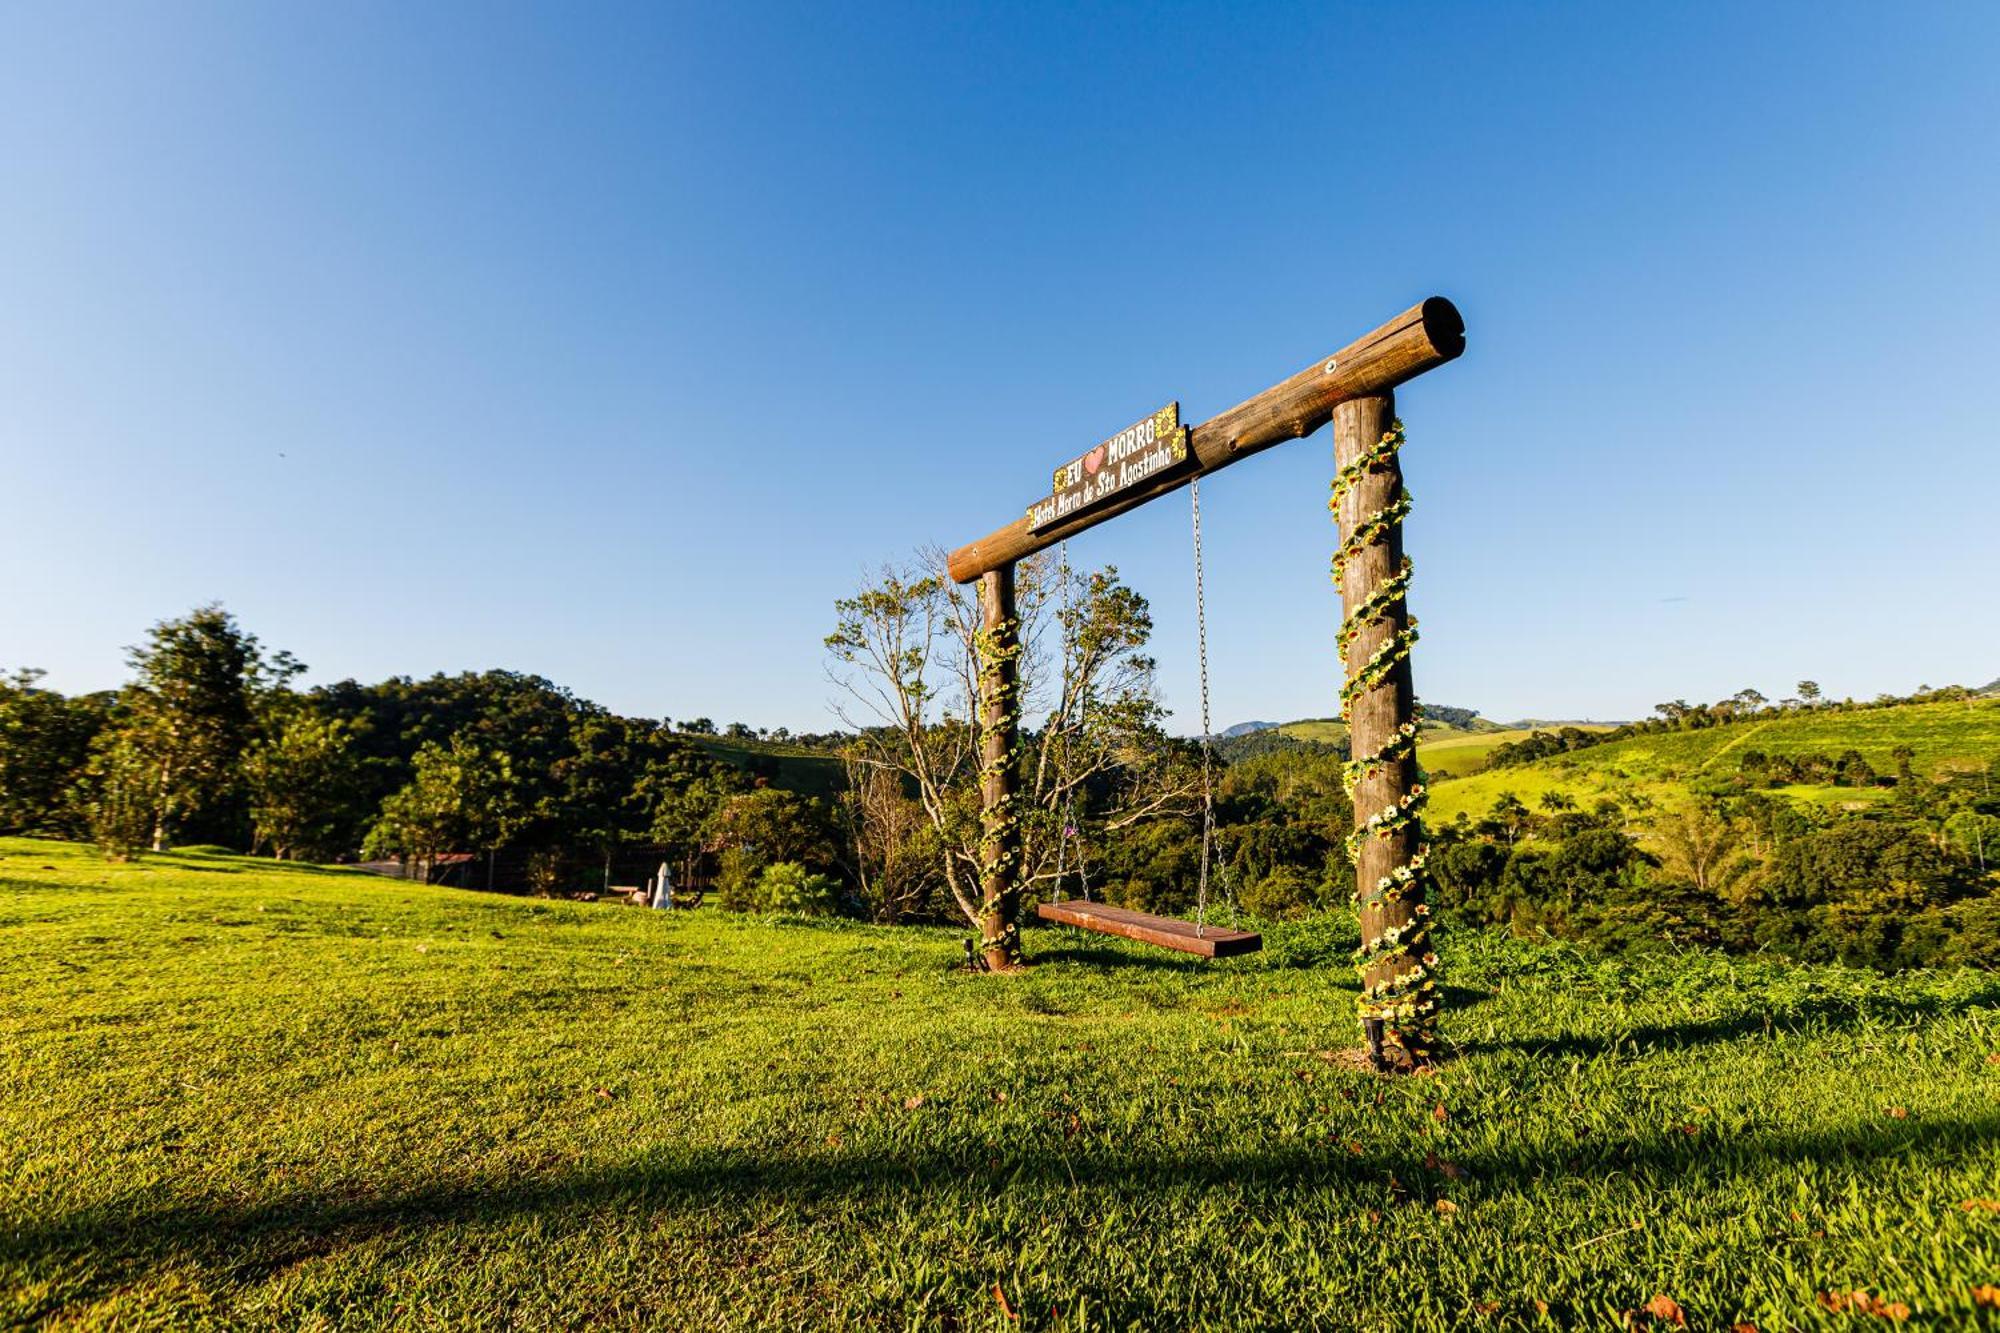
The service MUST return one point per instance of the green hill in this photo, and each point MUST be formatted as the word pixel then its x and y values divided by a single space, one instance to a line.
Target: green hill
pixel 793 767
pixel 1657 765
pixel 236 1094
pixel 1443 751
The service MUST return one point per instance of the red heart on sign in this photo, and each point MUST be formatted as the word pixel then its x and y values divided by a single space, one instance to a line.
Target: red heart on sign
pixel 1094 460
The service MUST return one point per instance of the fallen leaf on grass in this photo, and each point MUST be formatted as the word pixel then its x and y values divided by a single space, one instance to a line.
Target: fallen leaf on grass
pixel 1898 1113
pixel 1446 1207
pixel 1439 1114
pixel 605 1093
pixel 1743 1326
pixel 1541 1306
pixel 1666 1310
pixel 1981 1206
pixel 1486 1307
pixel 1001 1297
pixel 1987 1295
pixel 1451 1170
pixel 912 1103
pixel 1861 1302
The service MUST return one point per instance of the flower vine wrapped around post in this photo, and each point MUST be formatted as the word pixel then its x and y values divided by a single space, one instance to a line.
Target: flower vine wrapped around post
pixel 998 646
pixel 1399 997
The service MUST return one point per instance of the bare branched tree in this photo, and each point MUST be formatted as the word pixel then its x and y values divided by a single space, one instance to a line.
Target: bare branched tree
pixel 892 846
pixel 904 654
pixel 1704 847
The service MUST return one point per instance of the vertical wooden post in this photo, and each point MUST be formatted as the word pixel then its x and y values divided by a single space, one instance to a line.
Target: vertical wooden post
pixel 1399 995
pixel 999 726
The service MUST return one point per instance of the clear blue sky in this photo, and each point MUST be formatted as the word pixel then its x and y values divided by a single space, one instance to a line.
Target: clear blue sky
pixel 615 343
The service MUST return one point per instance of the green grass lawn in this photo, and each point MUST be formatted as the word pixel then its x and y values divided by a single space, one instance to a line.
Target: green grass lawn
pixel 241 1095
pixel 1658 766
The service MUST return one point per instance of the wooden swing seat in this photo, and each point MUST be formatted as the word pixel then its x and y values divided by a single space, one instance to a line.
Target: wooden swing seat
pixel 1164 931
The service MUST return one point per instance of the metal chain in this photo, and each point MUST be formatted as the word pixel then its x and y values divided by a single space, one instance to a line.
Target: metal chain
pixel 1207 777
pixel 1069 825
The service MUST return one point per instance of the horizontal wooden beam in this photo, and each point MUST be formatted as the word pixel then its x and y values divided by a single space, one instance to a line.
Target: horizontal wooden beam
pixel 1427 334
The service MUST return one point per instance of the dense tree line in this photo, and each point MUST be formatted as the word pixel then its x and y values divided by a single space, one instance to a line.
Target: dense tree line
pixel 1910 881
pixel 211 743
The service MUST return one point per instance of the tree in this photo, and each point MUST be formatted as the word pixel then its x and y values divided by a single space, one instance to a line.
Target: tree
pixel 905 651
pixel 758 829
pixel 191 714
pixel 302 782
pixel 45 744
pixel 776 824
pixel 1509 814
pixel 1972 837
pixel 1702 846
pixel 123 801
pixel 681 815
pixel 893 848
pixel 598 799
pixel 1556 802
pixel 1810 692
pixel 460 795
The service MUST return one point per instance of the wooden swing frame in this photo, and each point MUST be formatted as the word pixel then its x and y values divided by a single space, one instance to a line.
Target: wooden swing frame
pixel 1352 388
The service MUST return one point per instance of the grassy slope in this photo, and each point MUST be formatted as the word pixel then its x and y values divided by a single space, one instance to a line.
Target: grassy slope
pixel 1455 753
pixel 1656 765
pixel 297 1098
pixel 810 772
pixel 1444 751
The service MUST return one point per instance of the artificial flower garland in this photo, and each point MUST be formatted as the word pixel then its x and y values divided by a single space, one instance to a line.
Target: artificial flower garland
pixel 999 840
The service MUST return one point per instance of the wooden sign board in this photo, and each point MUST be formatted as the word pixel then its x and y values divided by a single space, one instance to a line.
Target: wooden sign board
pixel 1141 451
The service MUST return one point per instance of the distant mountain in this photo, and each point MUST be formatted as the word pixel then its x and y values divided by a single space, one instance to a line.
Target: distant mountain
pixel 1246 728
pixel 1546 723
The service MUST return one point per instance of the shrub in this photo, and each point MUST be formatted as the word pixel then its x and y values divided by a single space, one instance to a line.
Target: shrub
pixel 1284 894
pixel 789 887
pixel 738 879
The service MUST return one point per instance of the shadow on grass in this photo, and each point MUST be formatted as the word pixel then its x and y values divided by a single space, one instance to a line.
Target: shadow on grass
pixel 1117 959
pixel 1813 1015
pixel 98 1251
pixel 221 861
